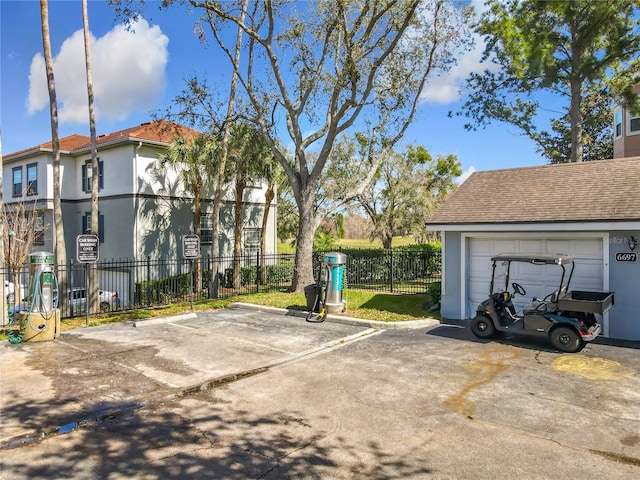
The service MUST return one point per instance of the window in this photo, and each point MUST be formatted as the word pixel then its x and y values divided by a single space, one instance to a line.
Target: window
pixel 38 225
pixel 32 179
pixel 618 122
pixel 86 225
pixel 251 243
pixel 634 125
pixel 87 175
pixel 206 228
pixel 17 182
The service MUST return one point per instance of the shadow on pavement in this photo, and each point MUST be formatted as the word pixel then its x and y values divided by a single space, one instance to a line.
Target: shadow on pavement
pixel 226 443
pixel 459 330
pixel 612 342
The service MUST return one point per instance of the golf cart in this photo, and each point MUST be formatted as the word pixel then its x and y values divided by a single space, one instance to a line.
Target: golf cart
pixel 566 317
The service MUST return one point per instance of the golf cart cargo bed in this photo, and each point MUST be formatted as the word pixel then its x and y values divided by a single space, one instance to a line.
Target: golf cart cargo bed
pixel 588 302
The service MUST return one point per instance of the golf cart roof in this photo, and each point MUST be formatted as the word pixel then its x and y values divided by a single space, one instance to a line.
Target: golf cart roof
pixel 534 258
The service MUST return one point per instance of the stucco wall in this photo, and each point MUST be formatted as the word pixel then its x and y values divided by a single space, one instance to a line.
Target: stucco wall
pixel 450 304
pixel 624 280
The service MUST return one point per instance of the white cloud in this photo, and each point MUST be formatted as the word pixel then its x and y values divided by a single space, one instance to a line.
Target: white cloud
pixel 466 174
pixel 128 71
pixel 446 88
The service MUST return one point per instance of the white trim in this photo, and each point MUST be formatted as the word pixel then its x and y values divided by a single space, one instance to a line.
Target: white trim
pixel 615 112
pixel 605 279
pixel 628 119
pixel 442 266
pixel 537 227
pixel 463 274
pixel 465 236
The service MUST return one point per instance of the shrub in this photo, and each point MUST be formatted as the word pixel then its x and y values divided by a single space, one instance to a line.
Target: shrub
pixel 278 273
pixel 434 293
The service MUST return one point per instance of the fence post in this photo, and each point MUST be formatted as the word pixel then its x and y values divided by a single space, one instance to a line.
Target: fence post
pixel 258 271
pixel 215 276
pixel 209 277
pixel 148 280
pixel 391 270
pixel 67 297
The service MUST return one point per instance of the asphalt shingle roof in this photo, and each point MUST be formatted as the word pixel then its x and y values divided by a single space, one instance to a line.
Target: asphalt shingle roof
pixel 605 190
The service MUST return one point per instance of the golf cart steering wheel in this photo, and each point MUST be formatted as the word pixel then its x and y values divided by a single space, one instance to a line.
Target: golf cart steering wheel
pixel 517 288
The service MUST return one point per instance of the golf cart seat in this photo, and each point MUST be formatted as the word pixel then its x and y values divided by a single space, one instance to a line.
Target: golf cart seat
pixel 545 306
pixel 558 293
pixel 537 307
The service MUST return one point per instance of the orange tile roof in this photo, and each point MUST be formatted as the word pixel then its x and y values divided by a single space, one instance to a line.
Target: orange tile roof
pixel 159 131
pixel 603 190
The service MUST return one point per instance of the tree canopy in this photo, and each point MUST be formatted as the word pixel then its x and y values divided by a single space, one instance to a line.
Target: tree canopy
pixel 327 67
pixel 312 71
pixel 408 187
pixel 564 48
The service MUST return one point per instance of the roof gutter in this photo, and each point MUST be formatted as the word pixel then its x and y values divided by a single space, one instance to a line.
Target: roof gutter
pixel 573 226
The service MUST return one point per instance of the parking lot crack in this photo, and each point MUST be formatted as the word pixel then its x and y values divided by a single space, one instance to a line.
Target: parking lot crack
pixel 288 454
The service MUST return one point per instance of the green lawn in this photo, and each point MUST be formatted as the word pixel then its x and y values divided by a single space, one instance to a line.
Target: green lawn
pixel 285 247
pixel 367 305
pixel 385 307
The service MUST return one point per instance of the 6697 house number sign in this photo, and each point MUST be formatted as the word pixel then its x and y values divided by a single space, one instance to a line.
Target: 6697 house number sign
pixel 627 257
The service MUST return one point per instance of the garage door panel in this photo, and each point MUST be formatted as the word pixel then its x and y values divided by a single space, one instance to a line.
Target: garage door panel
pixel 482 246
pixel 558 246
pixel 505 246
pixel 531 246
pixel 589 249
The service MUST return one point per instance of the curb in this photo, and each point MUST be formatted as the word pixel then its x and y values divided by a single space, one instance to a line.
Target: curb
pixel 409 324
pixel 159 320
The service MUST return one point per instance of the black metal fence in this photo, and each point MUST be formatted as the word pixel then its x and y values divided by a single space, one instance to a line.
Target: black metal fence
pixel 391 270
pixel 131 284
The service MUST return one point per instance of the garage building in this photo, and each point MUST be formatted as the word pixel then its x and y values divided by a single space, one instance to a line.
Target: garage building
pixel 589 210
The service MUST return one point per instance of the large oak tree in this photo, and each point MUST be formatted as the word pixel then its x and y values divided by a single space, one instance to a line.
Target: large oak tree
pixel 312 71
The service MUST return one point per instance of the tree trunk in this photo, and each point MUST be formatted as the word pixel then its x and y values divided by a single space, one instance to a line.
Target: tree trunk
pixel 60 248
pixel 217 199
pixel 268 198
pixel 241 183
pixel 387 240
pixel 576 123
pixel 93 296
pixel 197 215
pixel 303 270
pixel 575 113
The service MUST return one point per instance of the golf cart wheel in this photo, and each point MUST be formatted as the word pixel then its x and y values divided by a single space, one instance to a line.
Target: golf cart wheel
pixel 104 307
pixel 566 339
pixel 482 327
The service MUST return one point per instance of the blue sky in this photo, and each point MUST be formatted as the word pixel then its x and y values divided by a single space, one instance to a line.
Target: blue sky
pixel 137 74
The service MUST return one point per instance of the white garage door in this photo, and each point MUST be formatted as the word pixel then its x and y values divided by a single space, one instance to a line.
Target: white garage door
pixel 538 281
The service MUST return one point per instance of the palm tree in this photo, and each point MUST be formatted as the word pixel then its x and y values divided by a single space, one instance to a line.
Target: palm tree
pixel 93 272
pixel 195 159
pixel 220 174
pixel 61 249
pixel 248 152
pixel 274 175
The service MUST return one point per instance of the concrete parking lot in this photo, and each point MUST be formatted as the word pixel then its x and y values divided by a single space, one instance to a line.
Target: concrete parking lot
pixel 246 394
